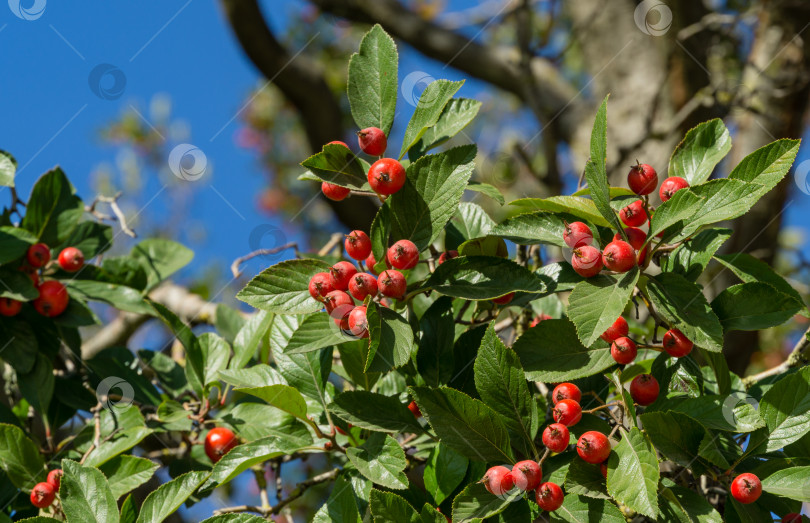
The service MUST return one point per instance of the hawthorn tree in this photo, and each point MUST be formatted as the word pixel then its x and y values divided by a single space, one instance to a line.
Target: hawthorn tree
pixel 436 376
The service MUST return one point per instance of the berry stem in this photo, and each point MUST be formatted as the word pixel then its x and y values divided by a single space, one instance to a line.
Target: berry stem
pixel 605 406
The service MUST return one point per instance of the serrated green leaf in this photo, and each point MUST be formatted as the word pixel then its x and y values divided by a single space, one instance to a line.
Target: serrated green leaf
pixel 338 165
pixel 167 498
pixel 248 338
pixel 124 473
pixel 575 205
pixel 381 460
pixel 470 221
pixel 284 287
pixel 749 269
pixel 341 505
pixel 767 165
pixel 534 228
pixel 255 376
pixel 444 471
pixel 282 397
pixel 372 84
pixel 434 360
pixel 700 151
pixel 37 385
pixel 786 409
pixel 753 306
pixel 162 258
pixel 8 168
pixel 391 339
pixel 252 421
pixel 596 303
pixel 633 473
pixel 735 412
pixel 121 442
pixel 585 479
pixel 456 115
pixel 14 242
pixel 675 435
pixel 86 495
pixel 793 483
pixel 387 506
pixel 691 258
pixel 215 353
pixel 483 278
pixel 475 503
pixel 244 456
pixel 686 506
pixel 53 209
pixel 428 111
pixel 373 411
pixel 680 207
pixel 488 189
pixel 315 332
pixel 20 458
pixel 581 509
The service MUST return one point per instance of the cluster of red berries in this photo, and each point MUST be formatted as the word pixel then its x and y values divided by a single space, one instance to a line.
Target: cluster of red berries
pixel 53 296
pixel 386 176
pixel 620 255
pixel 43 494
pixel 624 350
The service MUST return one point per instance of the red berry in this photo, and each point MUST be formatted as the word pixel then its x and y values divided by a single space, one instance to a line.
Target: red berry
pixel 634 214
pixel 619 256
pixel 414 408
pixel 617 330
pixel 403 255
pixel 670 186
pixel 372 141
pixel 55 478
pixel 566 391
pixel 341 273
pixel 218 442
pixel 38 255
pixel 538 319
pixel 587 261
pixel 527 475
pixel 320 285
pixel 370 262
pixel 340 315
pixel 603 469
pixel 623 350
pixel 335 299
pixel 549 496
pixel 567 412
pixel 792 518
pixel 644 389
pixel 746 488
pixel 358 245
pixel 338 142
pixel 42 495
pixel 498 480
pixel 642 179
pixel 636 238
pixel 577 234
pixel 362 285
pixel 593 447
pixel 447 255
pixel 71 259
pixel 53 299
pixel 386 176
pixel 334 192
pixel 32 273
pixel 677 344
pixel 392 284
pixel 9 307
pixel 358 324
pixel 556 437
pixel 503 300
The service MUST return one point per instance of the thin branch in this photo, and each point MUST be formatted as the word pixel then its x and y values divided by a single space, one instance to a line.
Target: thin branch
pixel 112 201
pixel 260 252
pixel 794 359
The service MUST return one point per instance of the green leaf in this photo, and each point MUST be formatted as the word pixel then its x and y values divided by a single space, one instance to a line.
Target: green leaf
pixel 582 208
pixel 16 285
pixel 53 209
pixel 315 332
pixel 469 222
pixel 195 366
pixel 86 495
pixel 379 234
pixel 124 473
pixel 431 194
pixel 596 303
pixel 282 397
pixel 719 449
pixel 700 151
pixel 534 228
pixel 14 242
pixel 373 81
pixel 306 372
pixel 585 479
pixel 235 518
pixel 680 207
pixel 749 269
pixel 675 435
pixel 338 165
pixel 391 339
pixel 353 356
pixel 284 287
pixel 37 385
pixel 167 498
pixel 119 296
pixel 753 306
pixel 387 506
pixel 373 411
pixel 242 457
pixel 485 188
pixel 8 168
pixel 767 165
pixel 483 278
pixel 248 339
pixel 215 355
pixel 500 381
pixel 381 460
pixel 444 471
pixel 633 473
pixel 428 111
pixel 596 168
pixel 786 409
pixel 20 458
pixel 581 509
pixel 465 424
pixel 793 483
pixel 690 259
pixel 121 442
pixel 256 376
pixel 686 506
pixel 254 421
pixel 162 257
pixel 475 503
pixel 435 361
pixel 456 115
pixel 551 352
pixel 341 505
pixel 735 412
pixel 92 238
pixel 682 302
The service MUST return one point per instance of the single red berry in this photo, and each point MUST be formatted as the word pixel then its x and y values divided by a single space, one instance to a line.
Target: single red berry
pixel 746 488
pixel 447 255
pixel 386 176
pixel 577 234
pixel 55 478
pixel 358 324
pixel 218 442
pixel 587 261
pixel 636 238
pixel 527 475
pixel 340 315
pixel 549 496
pixel 634 214
pixel 642 179
pixel 567 412
pixel 556 437
pixel 370 262
pixel 414 408
pixel 504 300
pixel 334 192
pixel 792 518
pixel 338 142
pixel 498 480
pixel 71 259
pixel 53 299
pixel 403 255
pixel 320 285
pixel 372 141
pixel 619 256
pixel 358 245
pixel 603 469
pixel 341 273
pixel 392 284
pixel 670 186
pixel 623 350
pixel 42 495
pixel 362 285
pixel 617 330
pixel 538 319
pixel 335 299
pixel 327 446
pixel 38 255
pixel 593 447
pixel 9 307
pixel 644 389
pixel 677 344
pixel 566 391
